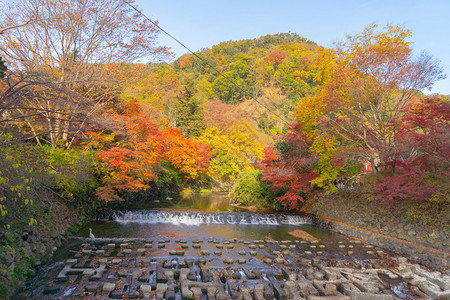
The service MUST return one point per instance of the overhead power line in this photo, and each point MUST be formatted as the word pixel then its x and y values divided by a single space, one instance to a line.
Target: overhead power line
pixel 203 60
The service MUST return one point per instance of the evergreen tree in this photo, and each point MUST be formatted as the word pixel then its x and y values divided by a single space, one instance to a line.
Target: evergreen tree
pixel 189 113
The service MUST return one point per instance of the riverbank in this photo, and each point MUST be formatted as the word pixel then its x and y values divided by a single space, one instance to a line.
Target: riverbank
pixel 22 252
pixel 423 238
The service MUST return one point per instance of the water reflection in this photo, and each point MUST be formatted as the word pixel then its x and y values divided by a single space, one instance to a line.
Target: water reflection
pixel 214 202
pixel 112 229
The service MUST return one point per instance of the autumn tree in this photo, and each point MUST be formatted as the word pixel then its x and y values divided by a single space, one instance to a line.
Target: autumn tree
pixel 373 77
pixel 288 167
pixel 64 49
pixel 420 157
pixel 134 159
pixel 236 149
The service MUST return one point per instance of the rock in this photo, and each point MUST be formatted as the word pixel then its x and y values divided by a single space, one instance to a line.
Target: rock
pixel 109 287
pixel 229 261
pixel 161 289
pixel 330 289
pixel 278 260
pixel 196 292
pixel 303 235
pixel 137 273
pixel 211 292
pixel 145 289
pixel 201 261
pixel 258 291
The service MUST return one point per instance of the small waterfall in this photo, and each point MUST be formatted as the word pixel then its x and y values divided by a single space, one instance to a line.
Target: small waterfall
pixel 197 218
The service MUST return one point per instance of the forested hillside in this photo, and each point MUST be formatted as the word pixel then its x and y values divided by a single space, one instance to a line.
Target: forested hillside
pixel 235 97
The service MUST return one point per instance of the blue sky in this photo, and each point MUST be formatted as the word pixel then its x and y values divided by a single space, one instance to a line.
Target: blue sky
pixel 201 24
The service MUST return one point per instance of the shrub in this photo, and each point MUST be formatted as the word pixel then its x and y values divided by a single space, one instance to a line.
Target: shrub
pixel 249 189
pixel 246 189
pixel 42 192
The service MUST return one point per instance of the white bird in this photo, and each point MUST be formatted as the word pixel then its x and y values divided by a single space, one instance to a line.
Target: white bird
pixel 91 235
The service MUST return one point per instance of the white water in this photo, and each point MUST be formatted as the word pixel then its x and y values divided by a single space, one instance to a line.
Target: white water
pixel 198 218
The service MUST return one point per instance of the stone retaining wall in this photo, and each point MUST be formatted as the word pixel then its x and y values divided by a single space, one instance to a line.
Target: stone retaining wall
pixel 350 214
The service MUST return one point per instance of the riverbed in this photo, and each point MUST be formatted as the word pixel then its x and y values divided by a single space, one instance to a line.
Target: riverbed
pixel 200 247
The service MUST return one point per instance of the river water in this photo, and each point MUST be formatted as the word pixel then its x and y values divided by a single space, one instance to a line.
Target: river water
pixel 196 216
pixel 208 216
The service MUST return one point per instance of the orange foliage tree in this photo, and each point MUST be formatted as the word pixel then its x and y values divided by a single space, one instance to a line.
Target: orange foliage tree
pixel 130 164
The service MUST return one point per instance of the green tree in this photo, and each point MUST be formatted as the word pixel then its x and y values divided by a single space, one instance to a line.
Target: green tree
pixel 189 113
pixel 230 87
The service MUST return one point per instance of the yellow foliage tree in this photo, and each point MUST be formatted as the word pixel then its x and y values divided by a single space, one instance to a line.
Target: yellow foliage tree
pixel 238 149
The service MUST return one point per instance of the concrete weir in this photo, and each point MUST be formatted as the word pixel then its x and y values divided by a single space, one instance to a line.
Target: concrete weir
pixel 173 268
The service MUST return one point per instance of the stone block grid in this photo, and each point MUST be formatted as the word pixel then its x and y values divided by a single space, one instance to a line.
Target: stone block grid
pixel 235 269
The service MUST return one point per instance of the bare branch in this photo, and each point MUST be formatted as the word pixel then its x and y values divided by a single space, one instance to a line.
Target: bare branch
pixel 2 30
